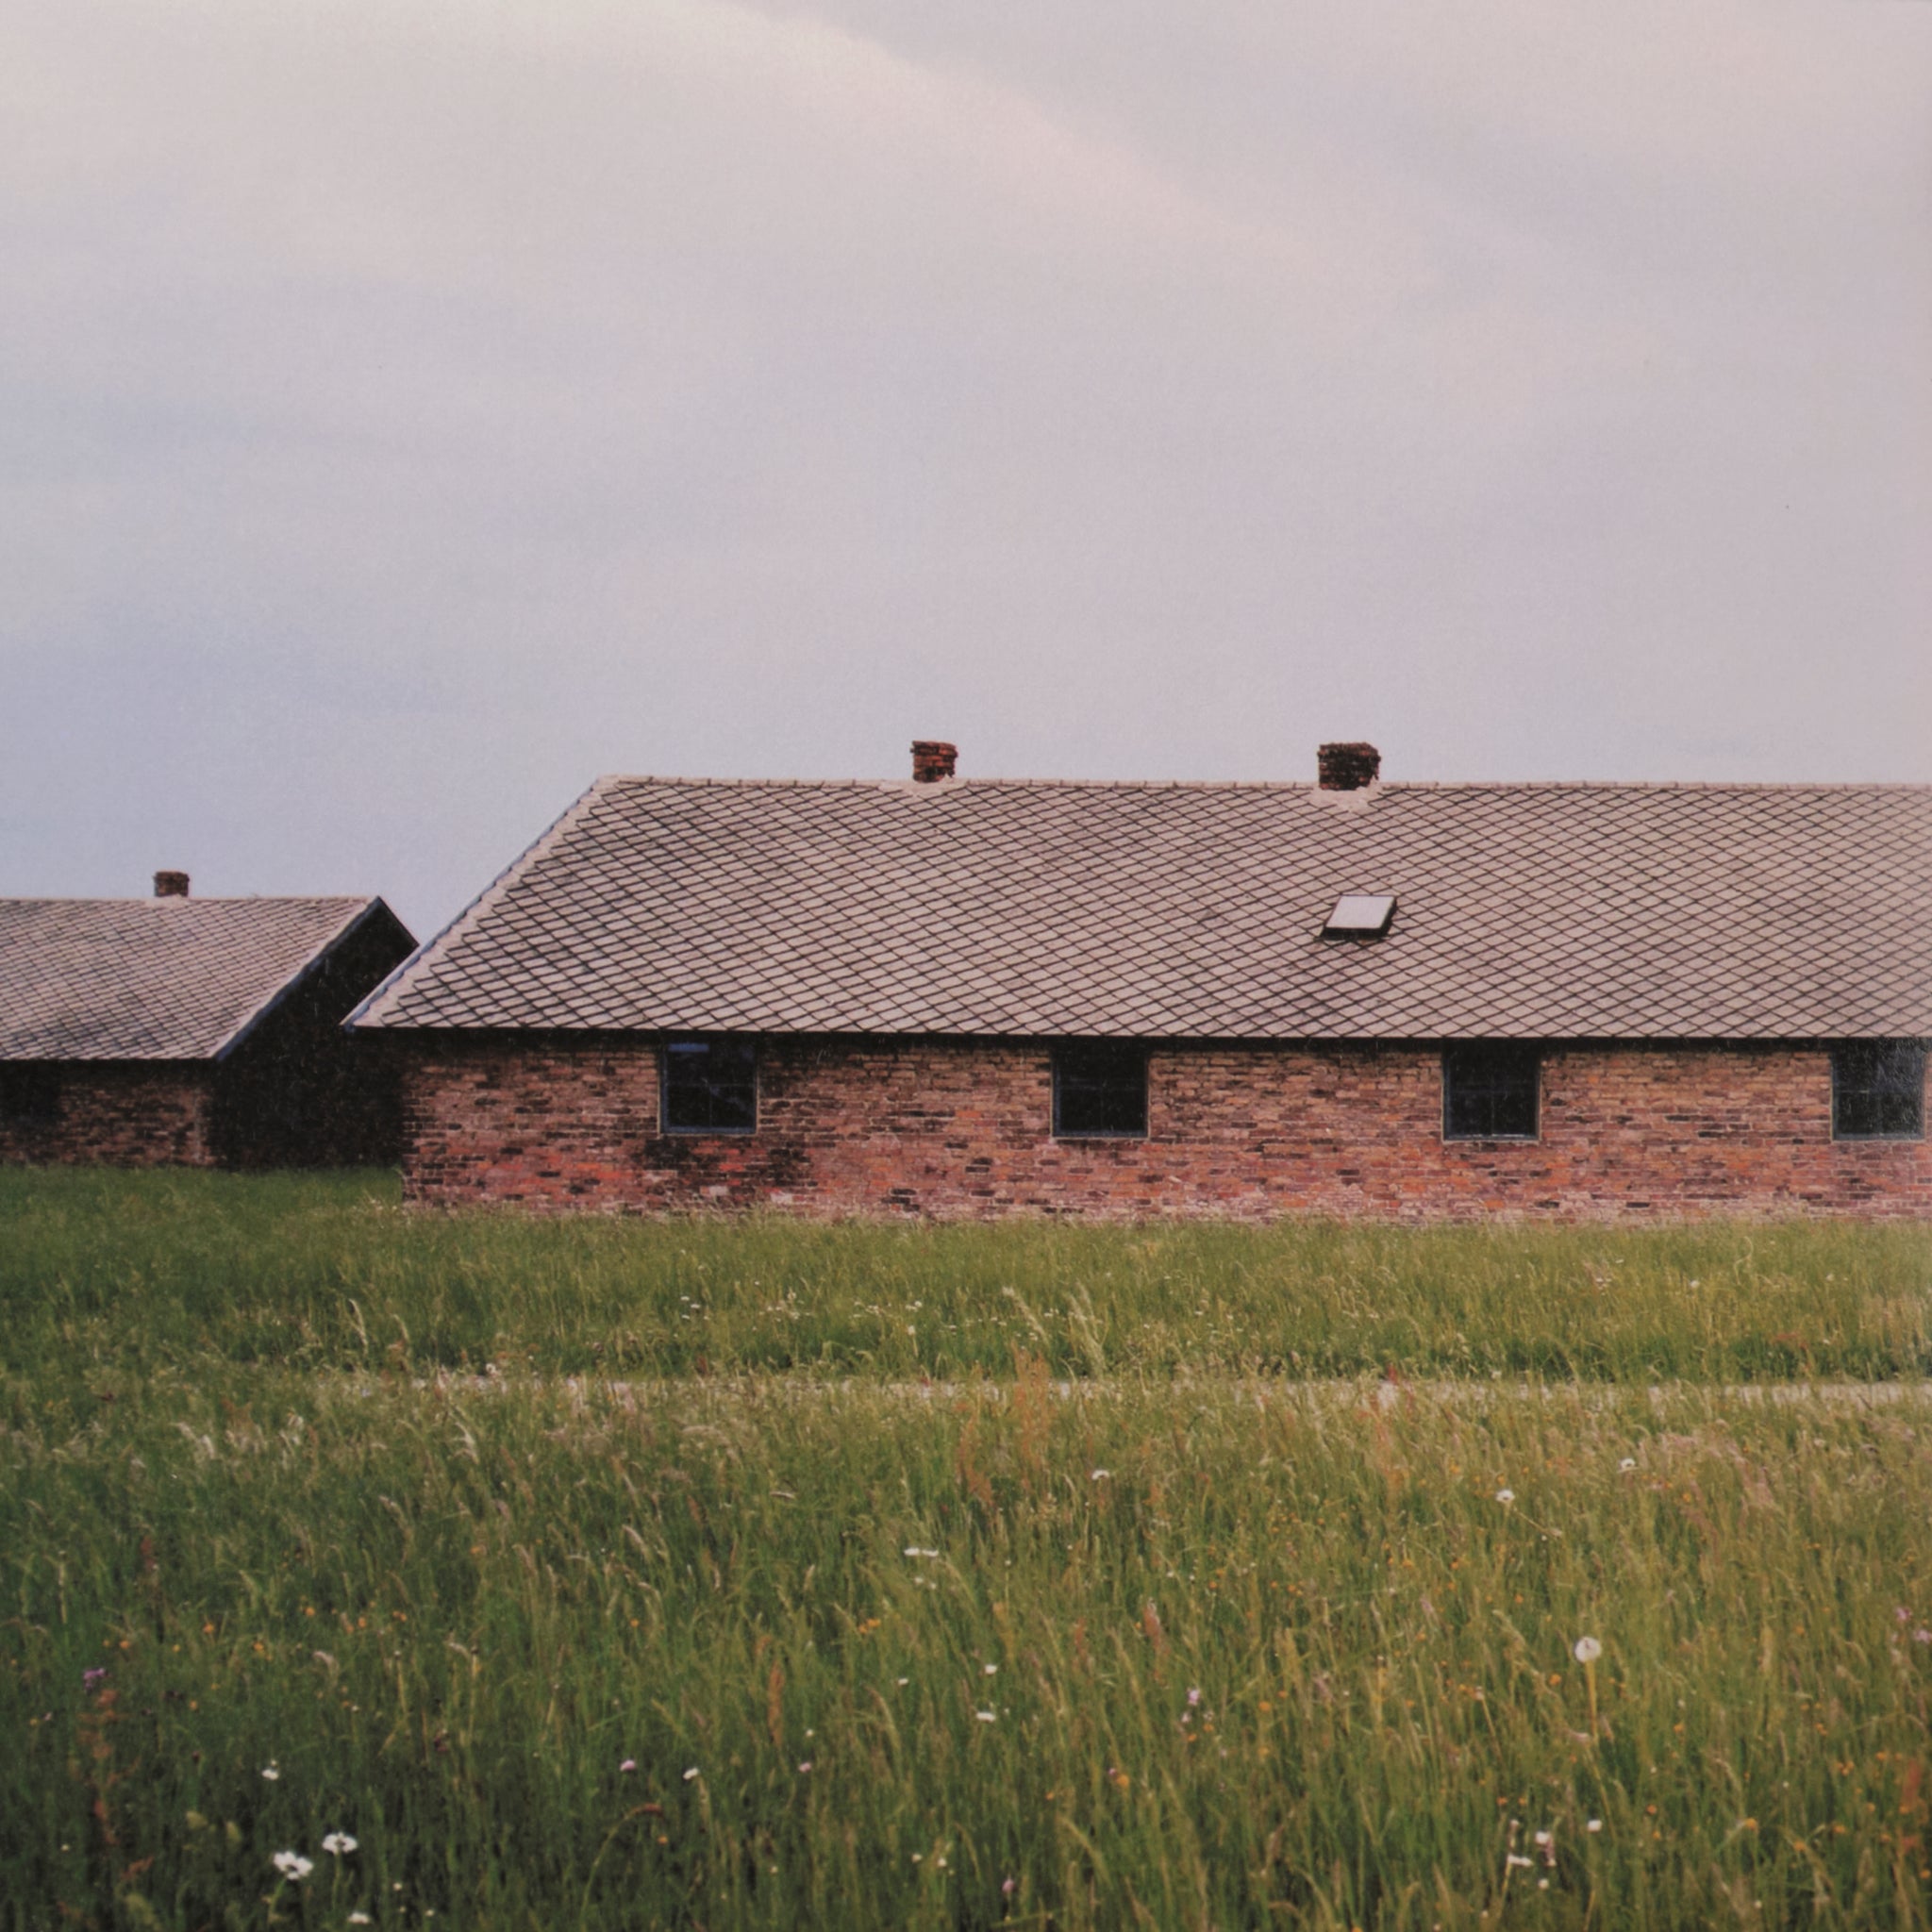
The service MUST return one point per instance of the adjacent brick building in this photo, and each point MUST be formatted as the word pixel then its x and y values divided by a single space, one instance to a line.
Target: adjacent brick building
pixel 139 1032
pixel 959 998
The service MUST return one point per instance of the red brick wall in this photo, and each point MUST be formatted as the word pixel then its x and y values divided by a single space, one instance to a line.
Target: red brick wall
pixel 122 1114
pixel 952 1128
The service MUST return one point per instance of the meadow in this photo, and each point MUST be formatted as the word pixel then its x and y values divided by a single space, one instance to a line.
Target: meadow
pixel 699 1575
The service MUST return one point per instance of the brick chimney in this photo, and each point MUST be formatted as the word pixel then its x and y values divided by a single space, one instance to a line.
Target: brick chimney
pixel 170 885
pixel 933 760
pixel 1348 767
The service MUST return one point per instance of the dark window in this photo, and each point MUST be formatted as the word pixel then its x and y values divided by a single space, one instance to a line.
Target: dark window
pixel 29 1094
pixel 1489 1091
pixel 1878 1090
pixel 710 1087
pixel 1099 1091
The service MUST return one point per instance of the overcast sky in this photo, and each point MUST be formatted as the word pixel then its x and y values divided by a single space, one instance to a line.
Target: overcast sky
pixel 411 408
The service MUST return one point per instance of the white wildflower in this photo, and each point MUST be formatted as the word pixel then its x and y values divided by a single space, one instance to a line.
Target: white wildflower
pixel 1541 1837
pixel 691 1773
pixel 271 1772
pixel 338 1845
pixel 1594 1824
pixel 990 1670
pixel 1628 1463
pixel 292 1864
pixel 1100 1475
pixel 1505 1496
pixel 986 1717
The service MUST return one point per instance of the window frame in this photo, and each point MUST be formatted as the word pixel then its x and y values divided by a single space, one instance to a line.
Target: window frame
pixel 1840 1050
pixel 1529 1051
pixel 1123 1050
pixel 708 1041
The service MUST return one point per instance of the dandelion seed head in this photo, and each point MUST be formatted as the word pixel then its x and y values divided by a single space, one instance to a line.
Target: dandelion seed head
pixel 1586 1650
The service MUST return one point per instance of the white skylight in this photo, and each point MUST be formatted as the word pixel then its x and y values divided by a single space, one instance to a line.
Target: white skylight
pixel 1360 916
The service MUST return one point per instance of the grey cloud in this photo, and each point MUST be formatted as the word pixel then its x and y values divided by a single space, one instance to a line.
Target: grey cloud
pixel 414 409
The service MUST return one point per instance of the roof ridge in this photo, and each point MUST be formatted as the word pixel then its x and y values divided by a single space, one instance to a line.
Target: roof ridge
pixel 1286 785
pixel 199 899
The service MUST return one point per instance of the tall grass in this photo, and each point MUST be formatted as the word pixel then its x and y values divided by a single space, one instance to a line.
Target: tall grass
pixel 777 1654
pixel 122 1275
pixel 717 1575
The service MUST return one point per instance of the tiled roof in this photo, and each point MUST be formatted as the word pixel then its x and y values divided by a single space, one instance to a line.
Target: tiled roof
pixel 151 979
pixel 1613 912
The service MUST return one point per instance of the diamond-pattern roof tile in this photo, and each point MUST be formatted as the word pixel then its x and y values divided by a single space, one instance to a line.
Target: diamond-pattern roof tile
pixel 996 907
pixel 151 979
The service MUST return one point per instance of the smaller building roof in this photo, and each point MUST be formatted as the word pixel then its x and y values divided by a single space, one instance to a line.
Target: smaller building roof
pixel 155 979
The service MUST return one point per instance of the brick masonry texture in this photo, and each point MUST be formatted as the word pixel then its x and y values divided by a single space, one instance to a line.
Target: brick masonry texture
pixel 122 1114
pixel 957 1129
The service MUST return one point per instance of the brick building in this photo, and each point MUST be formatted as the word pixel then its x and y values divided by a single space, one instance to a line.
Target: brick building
pixel 958 998
pixel 200 1031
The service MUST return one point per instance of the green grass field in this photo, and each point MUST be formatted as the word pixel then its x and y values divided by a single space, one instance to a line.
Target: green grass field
pixel 717 1576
